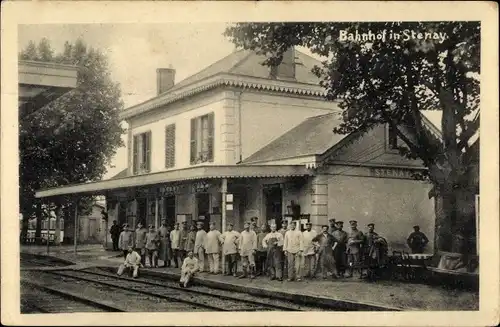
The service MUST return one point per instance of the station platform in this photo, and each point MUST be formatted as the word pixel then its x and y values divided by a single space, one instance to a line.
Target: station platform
pixel 347 293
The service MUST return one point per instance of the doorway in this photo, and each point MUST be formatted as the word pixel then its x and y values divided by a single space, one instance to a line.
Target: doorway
pixel 203 208
pixel 142 211
pixel 273 197
pixel 169 210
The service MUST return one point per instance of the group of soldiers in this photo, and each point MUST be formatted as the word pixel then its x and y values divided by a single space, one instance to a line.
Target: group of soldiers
pixel 285 253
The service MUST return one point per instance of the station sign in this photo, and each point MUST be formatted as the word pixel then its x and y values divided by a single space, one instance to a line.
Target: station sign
pixel 391 173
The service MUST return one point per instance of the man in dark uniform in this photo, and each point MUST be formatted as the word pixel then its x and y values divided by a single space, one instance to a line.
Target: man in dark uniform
pixel 325 252
pixel 417 240
pixel 340 246
pixel 355 241
pixel 115 235
pixel 375 249
pixel 283 230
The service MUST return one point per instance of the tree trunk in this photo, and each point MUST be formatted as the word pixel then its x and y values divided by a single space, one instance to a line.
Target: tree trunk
pixel 39 217
pixel 24 228
pixel 57 232
pixel 444 210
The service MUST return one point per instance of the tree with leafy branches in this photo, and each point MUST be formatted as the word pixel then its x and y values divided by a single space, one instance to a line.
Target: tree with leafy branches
pixel 390 80
pixel 72 139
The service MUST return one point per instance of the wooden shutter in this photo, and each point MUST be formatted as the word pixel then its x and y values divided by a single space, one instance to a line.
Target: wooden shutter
pixel 210 155
pixel 193 141
pixel 147 151
pixel 170 146
pixel 135 164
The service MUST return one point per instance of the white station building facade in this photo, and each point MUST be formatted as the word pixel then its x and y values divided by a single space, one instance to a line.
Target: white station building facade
pixel 239 140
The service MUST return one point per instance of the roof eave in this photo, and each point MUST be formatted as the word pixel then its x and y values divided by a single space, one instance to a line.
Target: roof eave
pixel 223 79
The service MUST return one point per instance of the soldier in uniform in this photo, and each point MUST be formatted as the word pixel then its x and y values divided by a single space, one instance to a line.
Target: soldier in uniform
pixel 417 240
pixel 375 249
pixel 339 248
pixel 191 238
pixel 175 242
pixel 152 240
pixel 212 248
pixel 188 269
pixel 229 240
pixel 273 242
pixel 199 245
pixel 126 240
pixel 325 252
pixel 115 235
pixel 309 250
pixel 283 230
pixel 260 261
pixel 247 246
pixel 132 262
pixel 165 248
pixel 183 236
pixel 355 241
pixel 332 228
pixel 140 242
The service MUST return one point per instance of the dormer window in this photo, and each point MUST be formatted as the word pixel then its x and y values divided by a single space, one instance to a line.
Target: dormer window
pixel 202 139
pixel 142 153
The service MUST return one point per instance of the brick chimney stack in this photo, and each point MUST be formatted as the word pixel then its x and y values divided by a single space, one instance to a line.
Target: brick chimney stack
pixel 165 79
pixel 286 70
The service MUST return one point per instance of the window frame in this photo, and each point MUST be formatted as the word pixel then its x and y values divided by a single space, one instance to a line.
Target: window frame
pixel 198 142
pixel 170 153
pixel 146 153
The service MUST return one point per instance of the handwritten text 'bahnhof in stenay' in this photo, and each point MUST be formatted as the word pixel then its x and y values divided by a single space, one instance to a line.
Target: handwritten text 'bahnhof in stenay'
pixel 385 35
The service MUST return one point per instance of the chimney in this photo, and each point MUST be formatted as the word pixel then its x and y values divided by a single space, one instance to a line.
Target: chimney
pixel 286 70
pixel 165 79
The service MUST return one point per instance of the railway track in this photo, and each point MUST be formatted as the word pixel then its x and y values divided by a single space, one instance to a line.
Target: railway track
pixel 34 261
pixel 129 294
pixel 36 298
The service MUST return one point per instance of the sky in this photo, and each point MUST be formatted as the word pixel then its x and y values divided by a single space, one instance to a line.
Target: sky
pixel 135 51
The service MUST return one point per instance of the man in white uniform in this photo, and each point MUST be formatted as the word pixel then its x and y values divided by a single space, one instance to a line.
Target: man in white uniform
pixel 309 251
pixel 293 246
pixel 188 269
pixel 247 246
pixel 212 248
pixel 175 237
pixel 229 239
pixel 132 263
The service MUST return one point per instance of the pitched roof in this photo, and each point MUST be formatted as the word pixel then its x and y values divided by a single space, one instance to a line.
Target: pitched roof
pixel 248 63
pixel 121 174
pixel 313 136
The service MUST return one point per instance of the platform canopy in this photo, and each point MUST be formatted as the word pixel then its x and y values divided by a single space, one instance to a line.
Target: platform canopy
pixel 41 83
pixel 179 175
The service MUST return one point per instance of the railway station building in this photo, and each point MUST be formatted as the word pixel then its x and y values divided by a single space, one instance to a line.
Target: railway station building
pixel 239 140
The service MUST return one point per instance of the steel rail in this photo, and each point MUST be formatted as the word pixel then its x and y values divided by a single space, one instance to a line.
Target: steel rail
pixel 259 305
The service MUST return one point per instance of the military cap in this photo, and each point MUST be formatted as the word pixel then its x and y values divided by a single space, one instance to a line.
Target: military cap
pixel 416 226
pixel 371 224
pixel 308 224
pixel 352 222
pixel 339 222
pixel 332 220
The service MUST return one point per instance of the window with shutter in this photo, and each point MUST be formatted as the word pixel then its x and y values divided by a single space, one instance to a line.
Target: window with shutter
pixel 142 153
pixel 170 146
pixel 202 139
pixel 147 151
pixel 194 152
pixel 210 146
pixel 135 154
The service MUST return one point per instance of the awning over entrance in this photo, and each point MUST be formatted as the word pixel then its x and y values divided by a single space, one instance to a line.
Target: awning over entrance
pixel 41 83
pixel 194 173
